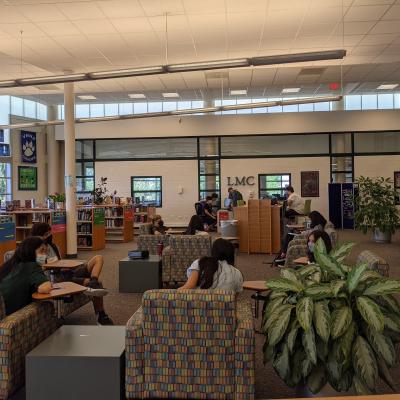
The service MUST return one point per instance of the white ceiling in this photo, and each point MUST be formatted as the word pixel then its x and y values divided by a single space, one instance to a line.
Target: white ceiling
pixel 85 35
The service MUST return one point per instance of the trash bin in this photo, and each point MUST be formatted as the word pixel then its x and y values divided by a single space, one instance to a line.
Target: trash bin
pixel 229 228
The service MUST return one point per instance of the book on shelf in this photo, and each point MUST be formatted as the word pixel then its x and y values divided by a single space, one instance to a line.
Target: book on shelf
pixel 84 228
pixel 85 241
pixel 84 215
pixel 114 223
pixel 9 206
pixel 30 203
pixel 16 204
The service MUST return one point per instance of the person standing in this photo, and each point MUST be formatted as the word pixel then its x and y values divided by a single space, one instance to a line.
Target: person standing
pixel 234 195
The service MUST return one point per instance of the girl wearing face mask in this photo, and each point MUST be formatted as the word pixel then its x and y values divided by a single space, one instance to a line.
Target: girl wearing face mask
pixel 21 275
pixel 312 239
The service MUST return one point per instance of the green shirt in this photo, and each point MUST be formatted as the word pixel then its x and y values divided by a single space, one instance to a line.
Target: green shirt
pixel 17 287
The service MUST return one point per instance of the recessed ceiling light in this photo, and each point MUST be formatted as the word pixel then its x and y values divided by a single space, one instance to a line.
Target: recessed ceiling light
pixel 238 92
pixel 137 96
pixel 388 87
pixel 291 90
pixel 87 97
pixel 170 95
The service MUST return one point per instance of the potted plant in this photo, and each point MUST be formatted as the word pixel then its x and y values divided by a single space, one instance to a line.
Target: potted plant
pixel 375 208
pixel 58 199
pixel 100 192
pixel 332 323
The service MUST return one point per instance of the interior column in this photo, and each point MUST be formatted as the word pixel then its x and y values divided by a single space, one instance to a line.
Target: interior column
pixel 69 179
pixel 53 154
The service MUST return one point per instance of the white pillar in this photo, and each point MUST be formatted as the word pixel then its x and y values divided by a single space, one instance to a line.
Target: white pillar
pixel 53 155
pixel 69 179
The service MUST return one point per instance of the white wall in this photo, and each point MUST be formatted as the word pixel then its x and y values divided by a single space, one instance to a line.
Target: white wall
pixel 177 208
pixel 374 166
pixel 209 125
pixel 41 193
pixel 255 166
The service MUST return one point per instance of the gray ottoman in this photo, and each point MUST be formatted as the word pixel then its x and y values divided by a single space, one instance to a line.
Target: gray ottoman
pixel 137 276
pixel 78 362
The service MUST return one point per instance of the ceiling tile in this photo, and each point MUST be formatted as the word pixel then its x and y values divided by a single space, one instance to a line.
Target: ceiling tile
pixel 131 25
pixel 317 29
pixel 386 27
pixel 121 8
pixel 59 28
pixel 204 6
pixel 378 39
pixel 174 22
pixel 28 30
pixel 10 15
pixel 41 12
pixel 354 28
pixel 95 26
pixel 157 7
pixel 365 13
pixel 393 13
pixel 78 11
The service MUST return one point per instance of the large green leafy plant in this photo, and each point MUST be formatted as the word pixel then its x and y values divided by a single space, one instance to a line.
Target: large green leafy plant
pixel 375 205
pixel 332 323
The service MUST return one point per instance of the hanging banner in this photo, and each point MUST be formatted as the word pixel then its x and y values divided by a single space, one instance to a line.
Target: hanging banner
pixel 28 147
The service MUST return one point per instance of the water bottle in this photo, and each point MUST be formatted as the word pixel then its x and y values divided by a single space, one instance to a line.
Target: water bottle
pixel 160 248
pixel 52 277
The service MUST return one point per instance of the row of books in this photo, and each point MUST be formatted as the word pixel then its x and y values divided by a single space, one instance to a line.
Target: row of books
pixel 85 241
pixel 84 228
pixel 114 223
pixel 84 215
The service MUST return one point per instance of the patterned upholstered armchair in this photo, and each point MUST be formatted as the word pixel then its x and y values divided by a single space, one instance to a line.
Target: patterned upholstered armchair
pixel 181 252
pixel 374 262
pixel 20 332
pixel 297 248
pixel 77 301
pixel 193 344
pixel 150 242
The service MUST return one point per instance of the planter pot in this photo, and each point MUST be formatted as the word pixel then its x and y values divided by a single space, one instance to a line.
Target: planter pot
pixel 382 237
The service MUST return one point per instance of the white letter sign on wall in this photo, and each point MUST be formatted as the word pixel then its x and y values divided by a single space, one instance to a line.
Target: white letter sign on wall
pixel 241 181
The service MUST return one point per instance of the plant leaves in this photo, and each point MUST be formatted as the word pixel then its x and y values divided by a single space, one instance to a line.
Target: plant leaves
pixel 291 338
pixel 354 276
pixel 296 367
pixel 324 261
pixel 284 285
pixel 364 362
pixel 342 252
pixel 275 315
pixel 371 313
pixel 276 293
pixel 370 275
pixel 322 321
pixel 306 366
pixel 278 329
pixel 391 322
pixel 391 302
pixel 318 291
pixel 336 286
pixel 340 321
pixel 322 349
pixel 317 378
pixel 360 386
pixel 383 346
pixel 346 341
pixel 281 363
pixel 290 274
pixel 384 373
pixel 272 305
pixel 307 270
pixel 334 370
pixel 387 286
pixel 268 351
pixel 309 345
pixel 304 312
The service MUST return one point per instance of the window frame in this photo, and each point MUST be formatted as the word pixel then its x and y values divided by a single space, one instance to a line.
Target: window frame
pixel 148 191
pixel 8 196
pixel 282 188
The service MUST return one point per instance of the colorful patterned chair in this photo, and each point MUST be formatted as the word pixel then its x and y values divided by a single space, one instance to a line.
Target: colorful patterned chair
pixel 150 242
pixel 374 262
pixel 20 332
pixel 192 344
pixel 179 255
pixel 296 248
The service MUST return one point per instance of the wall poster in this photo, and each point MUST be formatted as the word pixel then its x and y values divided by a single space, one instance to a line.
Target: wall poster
pixel 309 183
pixel 27 178
pixel 28 147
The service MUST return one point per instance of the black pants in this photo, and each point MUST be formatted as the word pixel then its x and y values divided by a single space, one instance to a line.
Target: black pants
pixel 285 242
pixel 291 213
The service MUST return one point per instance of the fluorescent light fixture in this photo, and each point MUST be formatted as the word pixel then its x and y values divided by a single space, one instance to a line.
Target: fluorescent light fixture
pixel 137 96
pixel 204 65
pixel 298 57
pixel 388 86
pixel 44 80
pixel 170 95
pixel 87 97
pixel 181 112
pixel 123 73
pixel 238 92
pixel 195 66
pixel 291 90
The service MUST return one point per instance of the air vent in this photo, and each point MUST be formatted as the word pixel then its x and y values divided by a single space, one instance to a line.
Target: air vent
pixel 312 71
pixel 47 87
pixel 217 75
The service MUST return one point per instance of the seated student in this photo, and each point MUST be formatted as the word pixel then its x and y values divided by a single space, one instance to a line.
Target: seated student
pixel 86 275
pixel 217 271
pixel 158 227
pixel 196 226
pixel 295 204
pixel 21 275
pixel 312 239
pixel 317 222
pixel 209 218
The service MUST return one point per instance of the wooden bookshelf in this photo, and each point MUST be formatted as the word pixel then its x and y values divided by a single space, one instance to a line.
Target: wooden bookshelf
pixel 90 228
pixel 119 223
pixel 141 215
pixel 7 235
pixel 25 218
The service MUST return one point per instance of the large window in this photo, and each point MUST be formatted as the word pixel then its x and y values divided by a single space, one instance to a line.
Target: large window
pixel 84 168
pixel 147 190
pixel 5 182
pixel 273 184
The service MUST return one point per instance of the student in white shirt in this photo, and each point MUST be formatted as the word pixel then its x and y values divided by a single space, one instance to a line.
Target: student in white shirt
pixel 217 271
pixel 295 204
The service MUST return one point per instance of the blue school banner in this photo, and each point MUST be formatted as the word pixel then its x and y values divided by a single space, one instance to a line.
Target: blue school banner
pixel 28 147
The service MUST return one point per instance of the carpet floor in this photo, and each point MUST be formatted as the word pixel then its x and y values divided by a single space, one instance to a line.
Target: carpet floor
pixel 121 306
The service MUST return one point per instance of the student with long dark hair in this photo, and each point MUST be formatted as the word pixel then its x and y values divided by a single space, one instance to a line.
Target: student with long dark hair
pixel 196 226
pixel 22 275
pixel 312 239
pixel 217 271
pixel 86 275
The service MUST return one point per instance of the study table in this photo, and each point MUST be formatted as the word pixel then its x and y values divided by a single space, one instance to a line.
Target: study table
pixel 258 287
pixel 59 293
pixel 175 231
pixel 64 264
pixel 301 260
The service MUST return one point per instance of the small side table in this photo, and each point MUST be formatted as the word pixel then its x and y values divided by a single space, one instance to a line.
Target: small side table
pixel 258 287
pixel 78 362
pixel 137 276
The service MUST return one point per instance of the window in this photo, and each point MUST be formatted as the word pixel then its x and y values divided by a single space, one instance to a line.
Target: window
pixel 5 182
pixel 147 190
pixel 273 184
pixel 85 178
pixel 209 178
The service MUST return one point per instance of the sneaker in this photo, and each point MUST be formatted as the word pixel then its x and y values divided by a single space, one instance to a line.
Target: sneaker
pixel 279 260
pixel 104 319
pixel 100 292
